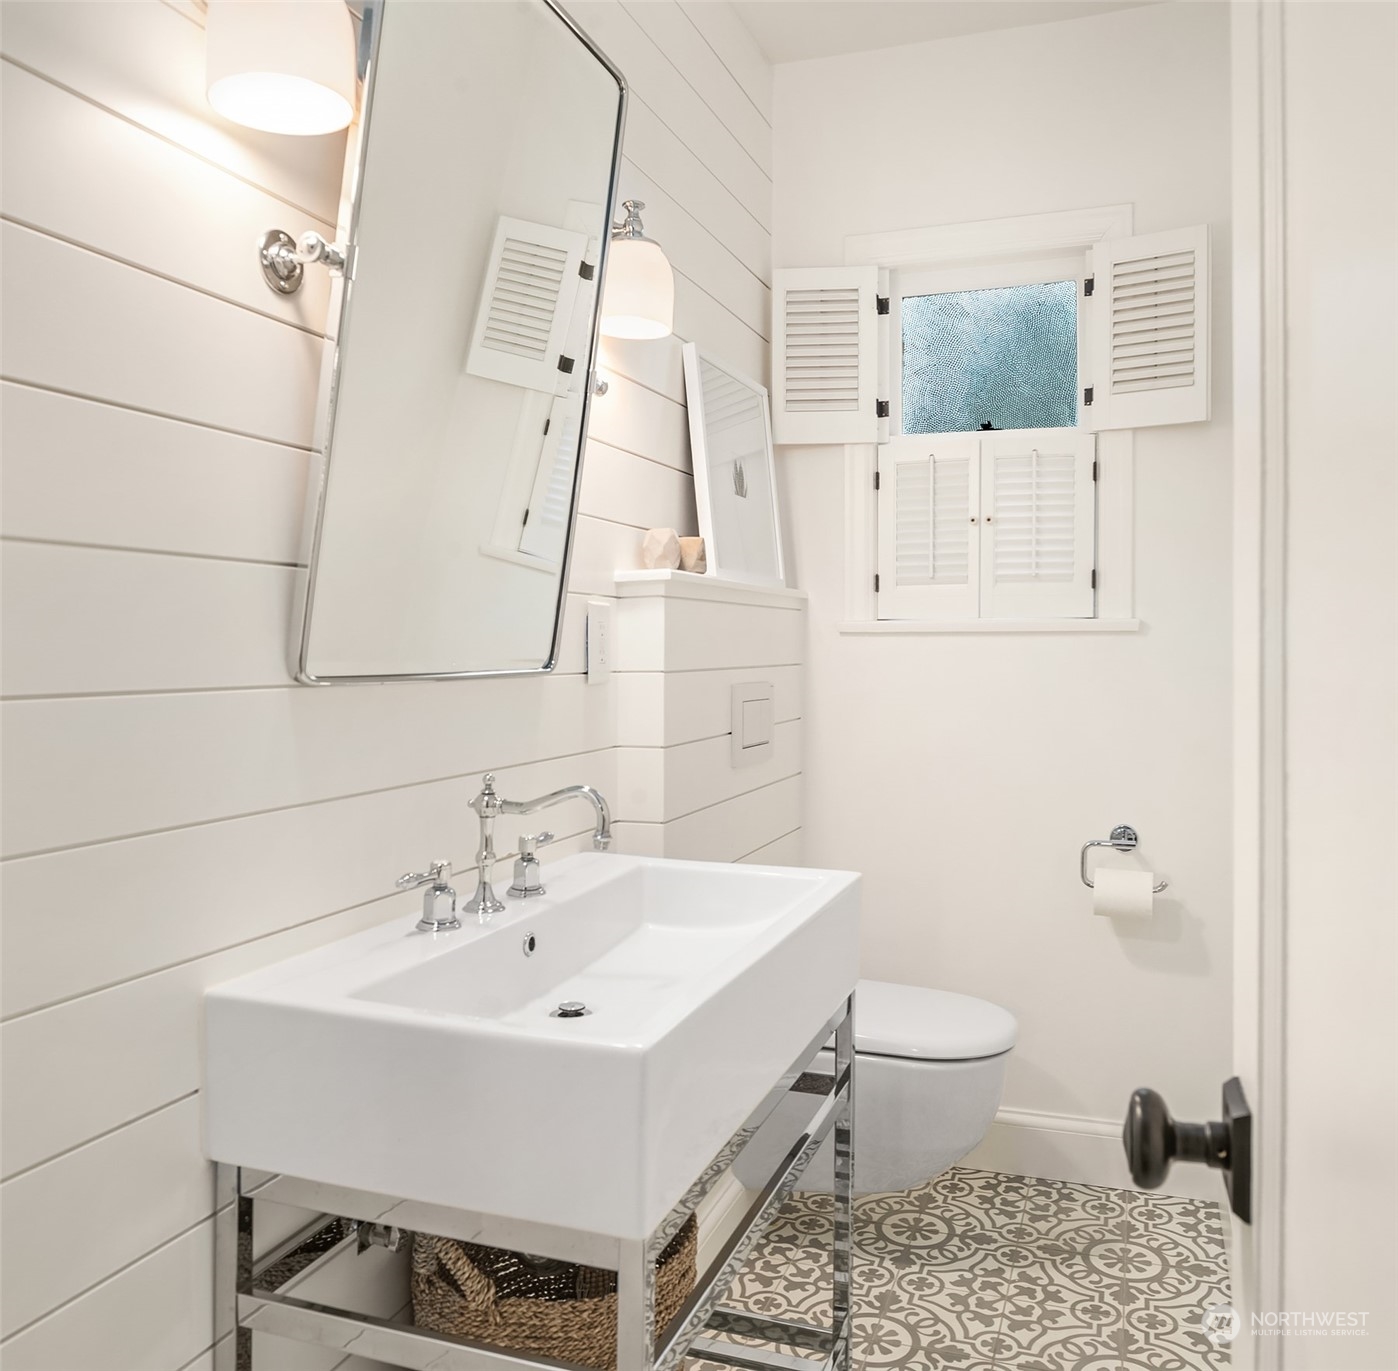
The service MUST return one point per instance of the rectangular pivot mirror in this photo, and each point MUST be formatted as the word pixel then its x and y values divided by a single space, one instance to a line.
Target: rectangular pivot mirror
pixel 455 394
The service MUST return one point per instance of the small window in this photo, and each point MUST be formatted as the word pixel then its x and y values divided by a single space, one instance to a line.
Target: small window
pixel 988 509
pixel 1002 357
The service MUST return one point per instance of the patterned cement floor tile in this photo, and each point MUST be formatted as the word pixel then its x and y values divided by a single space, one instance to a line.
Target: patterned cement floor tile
pixel 978 1271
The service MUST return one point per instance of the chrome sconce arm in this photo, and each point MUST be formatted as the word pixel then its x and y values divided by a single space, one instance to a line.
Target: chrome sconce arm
pixel 284 259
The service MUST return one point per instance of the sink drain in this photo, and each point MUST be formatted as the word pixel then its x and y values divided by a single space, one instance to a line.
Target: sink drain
pixel 571 1009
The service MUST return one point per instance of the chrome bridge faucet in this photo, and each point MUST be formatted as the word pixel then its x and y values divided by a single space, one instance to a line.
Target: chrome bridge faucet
pixel 489 806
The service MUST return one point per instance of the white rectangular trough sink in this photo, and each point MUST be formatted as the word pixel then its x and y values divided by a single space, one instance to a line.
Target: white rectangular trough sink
pixel 434 1067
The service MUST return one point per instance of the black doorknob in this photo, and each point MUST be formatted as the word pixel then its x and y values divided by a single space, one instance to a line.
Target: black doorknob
pixel 1153 1140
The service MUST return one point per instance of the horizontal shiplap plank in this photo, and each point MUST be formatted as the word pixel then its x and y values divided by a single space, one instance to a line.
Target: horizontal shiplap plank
pixel 719 332
pixel 635 419
pixel 662 154
pixel 67 1225
pixel 657 364
pixel 657 84
pixel 788 850
pixel 661 785
pixel 634 490
pixel 145 62
pixel 724 832
pixel 88 619
pixel 137 197
pixel 738 50
pixel 661 709
pixel 81 472
pixel 152 1316
pixel 655 634
pixel 601 549
pixel 87 325
pixel 89 770
pixel 154 905
pixel 672 32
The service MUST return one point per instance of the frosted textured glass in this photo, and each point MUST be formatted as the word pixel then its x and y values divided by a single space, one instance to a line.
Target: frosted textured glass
pixel 1007 357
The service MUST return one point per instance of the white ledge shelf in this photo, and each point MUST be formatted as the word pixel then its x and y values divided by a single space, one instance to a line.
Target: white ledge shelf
pixel 992 626
pixel 688 585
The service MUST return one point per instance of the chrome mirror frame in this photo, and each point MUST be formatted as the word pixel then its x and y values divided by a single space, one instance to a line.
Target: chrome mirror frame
pixel 338 313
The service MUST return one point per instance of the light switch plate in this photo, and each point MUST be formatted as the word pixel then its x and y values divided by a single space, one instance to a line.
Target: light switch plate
pixel 754 715
pixel 599 641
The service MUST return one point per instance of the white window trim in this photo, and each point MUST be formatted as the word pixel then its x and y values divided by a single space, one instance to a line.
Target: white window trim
pixel 948 245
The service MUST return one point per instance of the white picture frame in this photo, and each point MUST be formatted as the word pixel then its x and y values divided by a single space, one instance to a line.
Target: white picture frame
pixel 735 478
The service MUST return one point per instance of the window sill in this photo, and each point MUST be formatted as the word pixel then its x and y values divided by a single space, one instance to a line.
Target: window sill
pixel 992 626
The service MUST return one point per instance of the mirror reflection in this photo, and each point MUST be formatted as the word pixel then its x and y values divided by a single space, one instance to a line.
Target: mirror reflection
pixel 457 401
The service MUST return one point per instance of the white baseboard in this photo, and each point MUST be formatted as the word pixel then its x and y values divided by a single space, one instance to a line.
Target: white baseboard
pixel 1067 1147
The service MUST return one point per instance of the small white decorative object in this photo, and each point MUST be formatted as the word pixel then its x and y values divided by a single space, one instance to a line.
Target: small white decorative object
pixel 692 555
pixel 660 550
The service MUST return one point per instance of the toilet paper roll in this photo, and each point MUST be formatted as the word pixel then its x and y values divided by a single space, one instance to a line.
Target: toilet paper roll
pixel 1123 894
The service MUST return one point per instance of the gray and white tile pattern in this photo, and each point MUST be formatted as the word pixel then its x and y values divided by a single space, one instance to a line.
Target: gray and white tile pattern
pixel 978 1271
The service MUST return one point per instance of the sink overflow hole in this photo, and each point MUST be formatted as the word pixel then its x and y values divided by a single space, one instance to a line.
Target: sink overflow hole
pixel 530 943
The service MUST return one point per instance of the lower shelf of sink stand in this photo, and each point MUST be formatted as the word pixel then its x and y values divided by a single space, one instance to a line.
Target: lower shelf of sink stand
pixel 254 1296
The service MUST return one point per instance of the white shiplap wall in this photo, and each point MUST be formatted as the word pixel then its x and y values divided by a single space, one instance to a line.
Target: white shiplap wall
pixel 176 810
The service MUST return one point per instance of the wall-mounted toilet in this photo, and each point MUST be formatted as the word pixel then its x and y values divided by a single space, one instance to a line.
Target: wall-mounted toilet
pixel 929 1073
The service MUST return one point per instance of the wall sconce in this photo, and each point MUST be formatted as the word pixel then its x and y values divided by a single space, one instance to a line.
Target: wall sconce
pixel 638 300
pixel 282 66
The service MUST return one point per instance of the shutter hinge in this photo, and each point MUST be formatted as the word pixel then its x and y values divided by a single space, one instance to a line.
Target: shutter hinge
pixel 525 520
pixel 1088 285
pixel 1087 395
pixel 876 583
pixel 881 409
pixel 882 303
pixel 876 480
pixel 1094 578
pixel 586 270
pixel 547 422
pixel 565 365
pixel 1094 470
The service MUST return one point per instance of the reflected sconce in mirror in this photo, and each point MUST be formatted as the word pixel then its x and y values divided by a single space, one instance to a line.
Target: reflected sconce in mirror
pixel 638 300
pixel 282 66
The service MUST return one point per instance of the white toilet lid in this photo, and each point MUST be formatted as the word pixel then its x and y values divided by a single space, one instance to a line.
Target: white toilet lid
pixel 933 1025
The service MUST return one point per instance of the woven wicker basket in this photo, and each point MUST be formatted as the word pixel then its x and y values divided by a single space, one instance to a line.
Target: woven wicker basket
pixel 555 1309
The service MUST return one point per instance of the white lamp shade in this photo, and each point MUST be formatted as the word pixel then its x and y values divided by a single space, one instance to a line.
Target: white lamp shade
pixel 638 300
pixel 283 66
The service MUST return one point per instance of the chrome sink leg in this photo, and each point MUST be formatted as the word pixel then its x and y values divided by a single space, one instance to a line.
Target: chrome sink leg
pixel 842 1293
pixel 635 1305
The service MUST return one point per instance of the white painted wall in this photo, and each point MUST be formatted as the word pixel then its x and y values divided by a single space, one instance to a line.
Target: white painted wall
pixel 1339 1195
pixel 176 810
pixel 961 774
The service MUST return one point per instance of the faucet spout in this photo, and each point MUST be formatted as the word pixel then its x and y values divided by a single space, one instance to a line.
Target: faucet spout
pixel 602 835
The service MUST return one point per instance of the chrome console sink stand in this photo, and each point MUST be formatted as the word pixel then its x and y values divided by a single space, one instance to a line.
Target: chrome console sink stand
pixel 257 1295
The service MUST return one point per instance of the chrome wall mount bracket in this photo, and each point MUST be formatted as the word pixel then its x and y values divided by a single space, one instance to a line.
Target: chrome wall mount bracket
pixel 1123 838
pixel 284 258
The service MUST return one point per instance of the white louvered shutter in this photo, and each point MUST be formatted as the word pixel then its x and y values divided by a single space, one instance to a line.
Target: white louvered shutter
pixel 526 306
pixel 928 525
pixel 825 355
pixel 546 520
pixel 1038 525
pixel 1150 330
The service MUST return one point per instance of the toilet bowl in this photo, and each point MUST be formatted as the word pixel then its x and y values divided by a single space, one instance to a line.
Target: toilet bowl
pixel 929 1071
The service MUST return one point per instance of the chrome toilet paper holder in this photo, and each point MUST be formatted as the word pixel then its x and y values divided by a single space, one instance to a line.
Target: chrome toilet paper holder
pixel 1123 839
